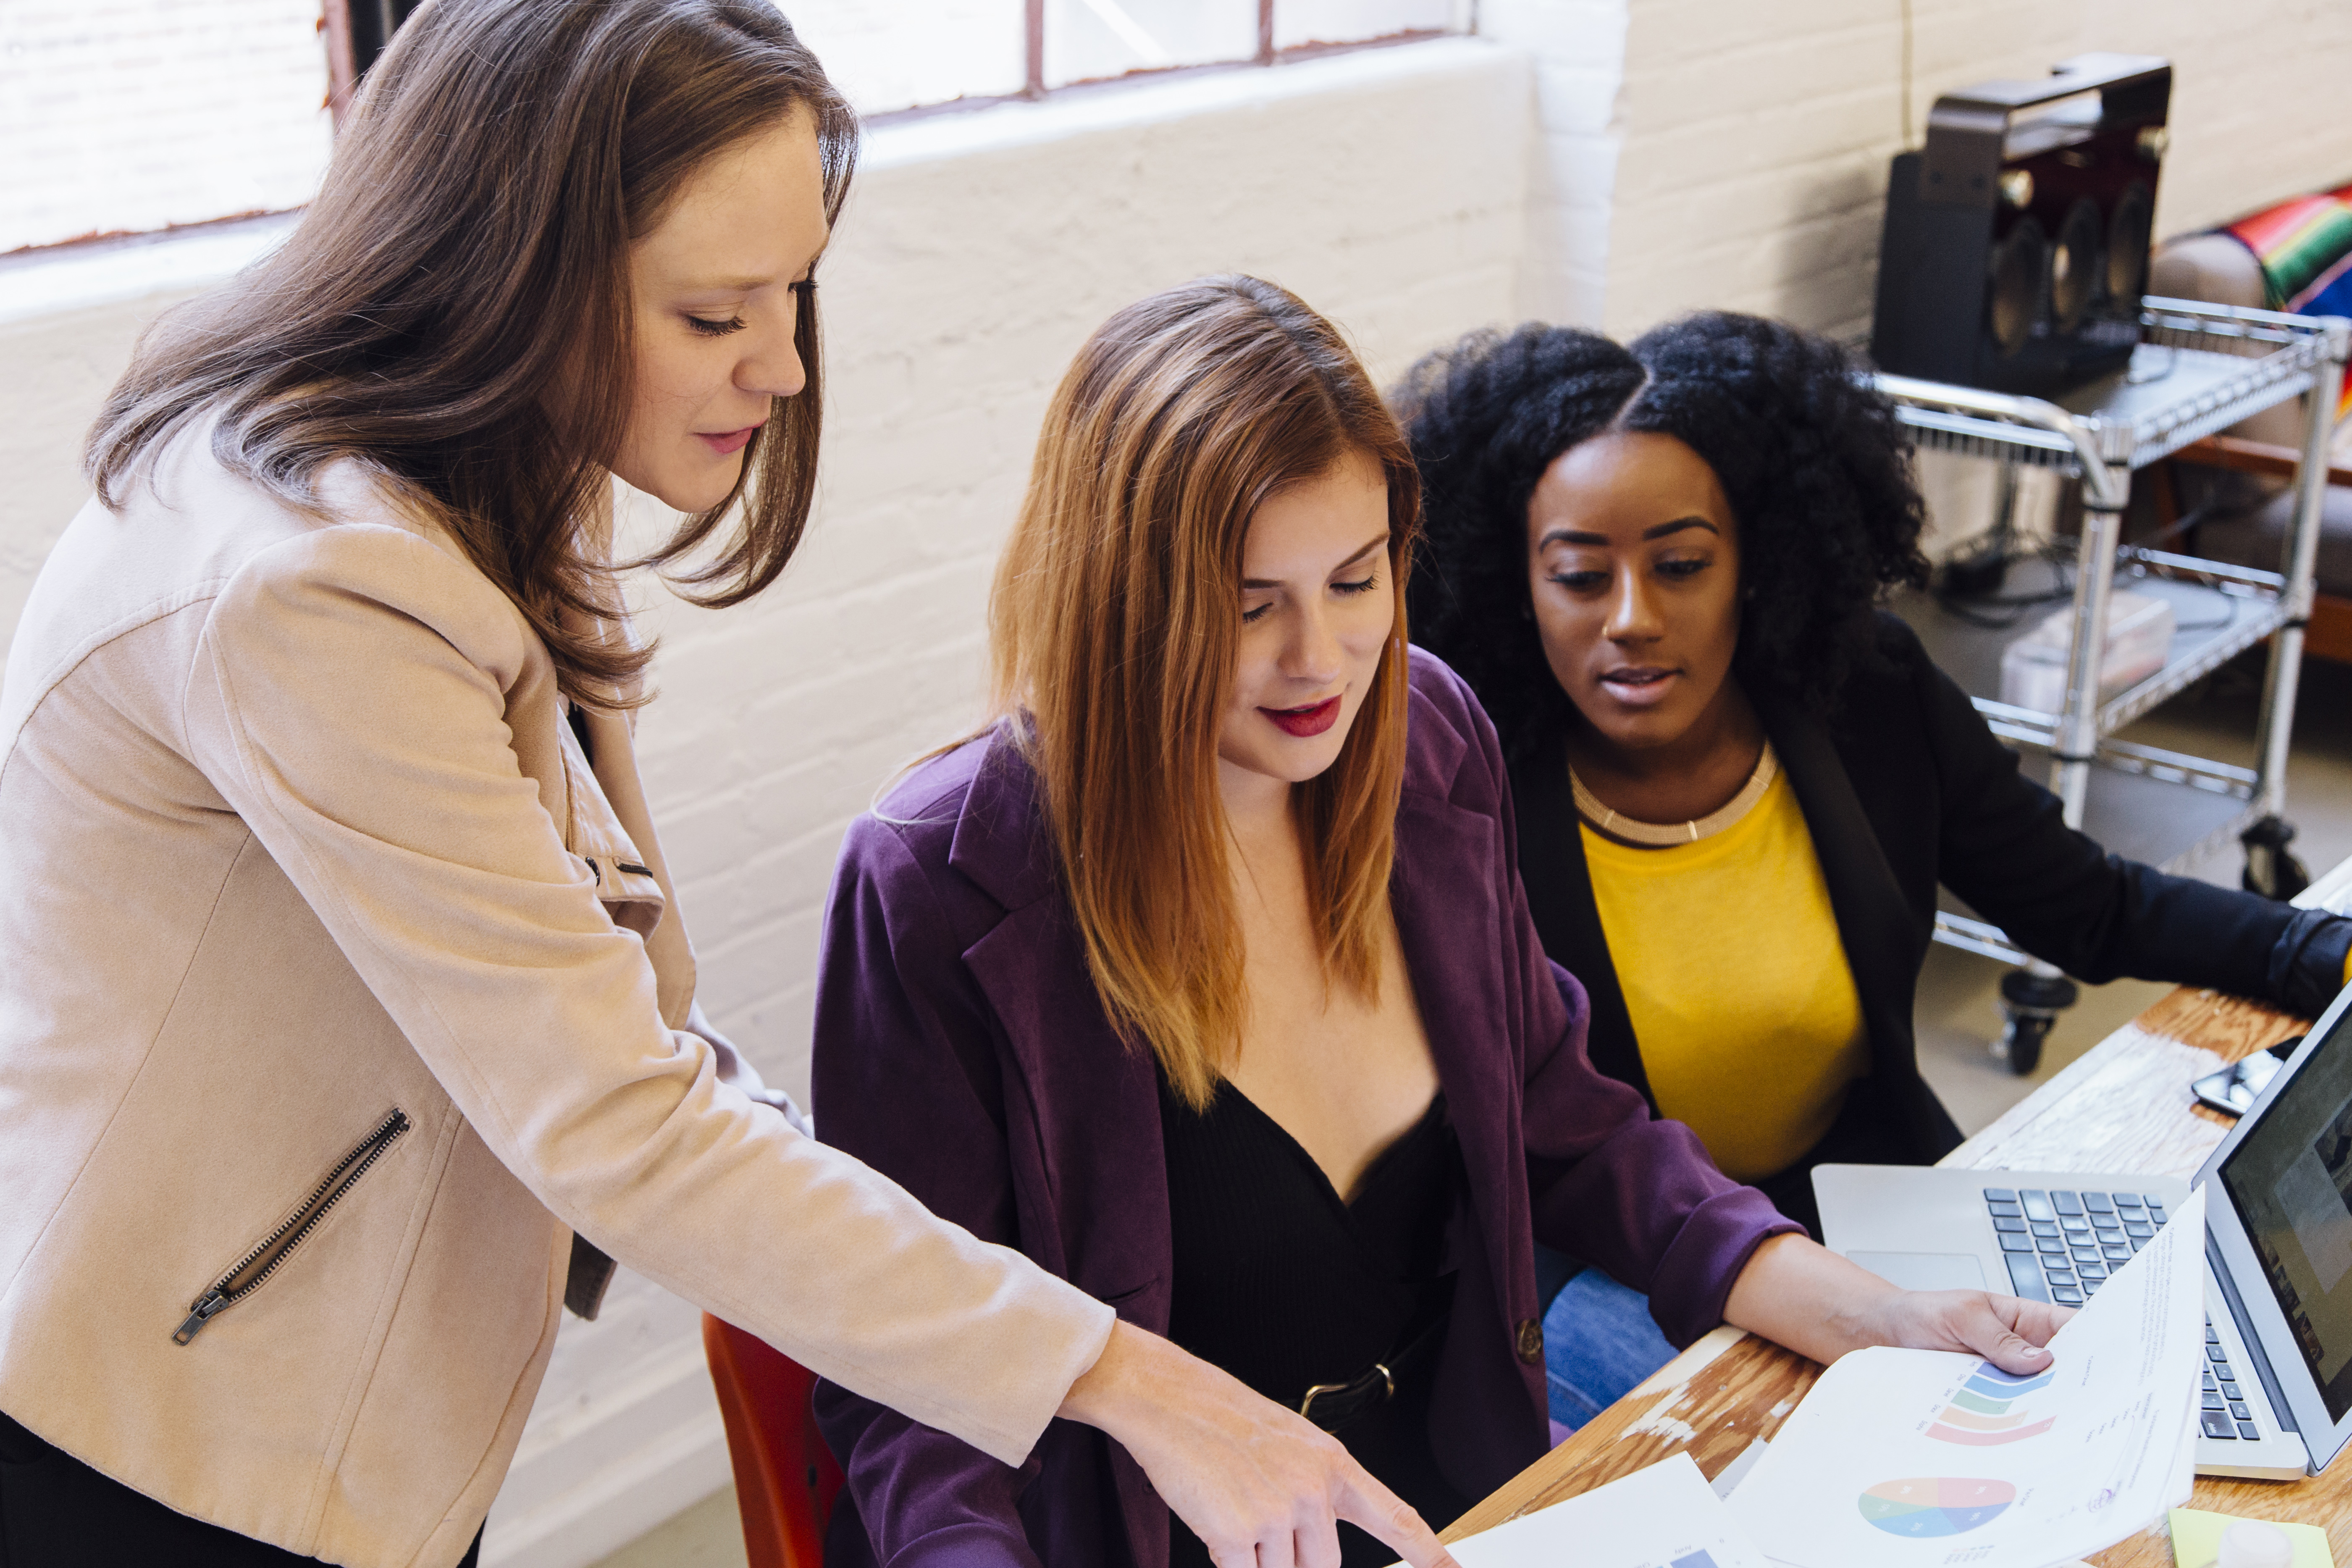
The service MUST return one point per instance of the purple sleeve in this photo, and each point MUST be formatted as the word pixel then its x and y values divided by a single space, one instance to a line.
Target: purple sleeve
pixel 905 1078
pixel 1608 1182
pixel 1621 1189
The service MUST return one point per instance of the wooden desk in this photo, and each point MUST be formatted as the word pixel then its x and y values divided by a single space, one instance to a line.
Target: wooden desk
pixel 2124 1106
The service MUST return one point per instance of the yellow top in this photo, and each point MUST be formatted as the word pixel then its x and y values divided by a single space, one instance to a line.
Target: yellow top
pixel 1737 982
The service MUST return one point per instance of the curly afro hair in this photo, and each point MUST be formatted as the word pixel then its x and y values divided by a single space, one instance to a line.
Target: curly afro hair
pixel 1812 460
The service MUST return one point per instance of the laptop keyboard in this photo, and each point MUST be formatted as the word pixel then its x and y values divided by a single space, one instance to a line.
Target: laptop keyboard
pixel 2061 1246
pixel 2226 1413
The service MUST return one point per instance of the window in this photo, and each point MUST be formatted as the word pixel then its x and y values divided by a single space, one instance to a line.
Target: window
pixel 901 54
pixel 892 55
pixel 124 116
pixel 129 116
pixel 1089 41
pixel 1322 24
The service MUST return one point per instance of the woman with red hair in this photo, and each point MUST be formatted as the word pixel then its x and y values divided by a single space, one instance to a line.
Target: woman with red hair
pixel 1202 975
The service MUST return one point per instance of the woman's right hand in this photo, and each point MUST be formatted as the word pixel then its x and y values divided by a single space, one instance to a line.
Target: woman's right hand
pixel 1260 1485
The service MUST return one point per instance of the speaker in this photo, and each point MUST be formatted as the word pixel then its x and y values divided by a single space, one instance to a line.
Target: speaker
pixel 2015 250
pixel 372 24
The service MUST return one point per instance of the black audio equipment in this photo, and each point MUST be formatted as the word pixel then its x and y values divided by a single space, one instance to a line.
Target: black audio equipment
pixel 2015 250
pixel 372 24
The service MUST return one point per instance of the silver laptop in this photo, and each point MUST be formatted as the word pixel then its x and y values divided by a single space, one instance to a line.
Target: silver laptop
pixel 2278 1275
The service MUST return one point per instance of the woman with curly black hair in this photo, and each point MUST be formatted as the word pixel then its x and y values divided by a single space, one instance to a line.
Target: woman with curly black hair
pixel 1738 782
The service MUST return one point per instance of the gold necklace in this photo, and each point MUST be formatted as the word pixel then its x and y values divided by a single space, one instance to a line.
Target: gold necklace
pixel 1665 835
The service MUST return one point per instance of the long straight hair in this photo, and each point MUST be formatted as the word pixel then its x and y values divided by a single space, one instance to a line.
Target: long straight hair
pixel 467 256
pixel 1113 626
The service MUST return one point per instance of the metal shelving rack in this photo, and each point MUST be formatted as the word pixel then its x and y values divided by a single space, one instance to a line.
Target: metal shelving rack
pixel 2197 369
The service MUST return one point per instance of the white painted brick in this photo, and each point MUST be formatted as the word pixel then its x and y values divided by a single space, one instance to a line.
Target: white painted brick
pixel 2256 116
pixel 1390 189
pixel 1578 49
pixel 1634 162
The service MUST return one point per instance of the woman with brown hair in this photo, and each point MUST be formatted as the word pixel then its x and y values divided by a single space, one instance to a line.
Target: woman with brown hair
pixel 1202 975
pixel 346 1000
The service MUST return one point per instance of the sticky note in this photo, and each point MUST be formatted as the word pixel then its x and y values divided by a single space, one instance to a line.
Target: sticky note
pixel 2197 1540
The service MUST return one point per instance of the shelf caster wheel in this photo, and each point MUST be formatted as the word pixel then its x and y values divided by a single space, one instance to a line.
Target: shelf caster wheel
pixel 2271 869
pixel 2030 1004
pixel 2020 1042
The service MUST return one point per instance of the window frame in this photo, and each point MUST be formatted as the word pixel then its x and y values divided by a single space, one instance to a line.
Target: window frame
pixel 344 67
pixel 355 32
pixel 1032 24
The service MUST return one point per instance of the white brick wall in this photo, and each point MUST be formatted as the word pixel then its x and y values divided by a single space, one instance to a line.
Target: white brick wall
pixel 1387 188
pixel 1577 48
pixel 1754 138
pixel 1732 154
pixel 1410 193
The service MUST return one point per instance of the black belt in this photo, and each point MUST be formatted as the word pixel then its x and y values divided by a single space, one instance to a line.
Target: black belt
pixel 1335 1405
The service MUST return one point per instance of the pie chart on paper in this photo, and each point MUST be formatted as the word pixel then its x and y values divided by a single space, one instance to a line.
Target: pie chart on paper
pixel 1925 1506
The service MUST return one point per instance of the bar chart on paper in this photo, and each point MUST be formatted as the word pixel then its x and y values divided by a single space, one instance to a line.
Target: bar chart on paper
pixel 1992 1407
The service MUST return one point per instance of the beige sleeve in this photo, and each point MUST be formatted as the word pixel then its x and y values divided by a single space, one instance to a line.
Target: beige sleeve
pixel 347 700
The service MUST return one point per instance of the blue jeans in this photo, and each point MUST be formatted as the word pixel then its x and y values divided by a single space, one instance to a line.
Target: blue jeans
pixel 1599 1342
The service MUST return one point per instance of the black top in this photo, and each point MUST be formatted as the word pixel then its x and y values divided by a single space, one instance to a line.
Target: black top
pixel 1902 788
pixel 1283 1284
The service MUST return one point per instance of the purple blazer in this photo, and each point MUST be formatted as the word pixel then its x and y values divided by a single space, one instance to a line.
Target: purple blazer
pixel 960 1048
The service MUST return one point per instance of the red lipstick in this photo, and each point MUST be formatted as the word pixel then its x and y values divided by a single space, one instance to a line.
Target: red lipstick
pixel 1305 722
pixel 731 441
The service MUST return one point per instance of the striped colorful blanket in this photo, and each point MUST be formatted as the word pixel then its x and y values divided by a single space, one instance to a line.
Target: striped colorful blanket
pixel 2305 247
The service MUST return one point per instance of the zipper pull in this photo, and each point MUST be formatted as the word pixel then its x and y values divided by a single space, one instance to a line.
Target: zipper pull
pixel 200 1312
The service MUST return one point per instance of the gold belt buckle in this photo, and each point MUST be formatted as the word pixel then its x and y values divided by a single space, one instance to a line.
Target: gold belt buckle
pixel 1306 1406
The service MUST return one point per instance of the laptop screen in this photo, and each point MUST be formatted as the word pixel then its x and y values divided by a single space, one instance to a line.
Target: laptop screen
pixel 2290 1178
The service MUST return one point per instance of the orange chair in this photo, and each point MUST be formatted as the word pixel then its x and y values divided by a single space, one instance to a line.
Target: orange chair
pixel 785 1478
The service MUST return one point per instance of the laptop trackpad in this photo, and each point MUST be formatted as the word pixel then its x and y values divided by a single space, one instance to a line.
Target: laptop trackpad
pixel 1924 1270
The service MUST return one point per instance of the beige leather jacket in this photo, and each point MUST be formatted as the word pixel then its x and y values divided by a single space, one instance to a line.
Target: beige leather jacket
pixel 335 987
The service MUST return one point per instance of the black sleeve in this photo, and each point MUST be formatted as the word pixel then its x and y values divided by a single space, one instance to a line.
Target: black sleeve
pixel 2005 850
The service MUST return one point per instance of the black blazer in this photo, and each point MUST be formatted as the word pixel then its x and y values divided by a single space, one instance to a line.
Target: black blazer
pixel 1904 787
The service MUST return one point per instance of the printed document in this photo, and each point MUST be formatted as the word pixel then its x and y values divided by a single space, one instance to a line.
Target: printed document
pixel 1903 1458
pixel 1664 1517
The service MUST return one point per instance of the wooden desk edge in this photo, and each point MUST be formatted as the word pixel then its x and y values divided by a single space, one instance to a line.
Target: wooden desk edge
pixel 1707 1401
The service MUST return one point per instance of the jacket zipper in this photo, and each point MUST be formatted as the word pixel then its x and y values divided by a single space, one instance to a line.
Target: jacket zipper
pixel 254 1270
